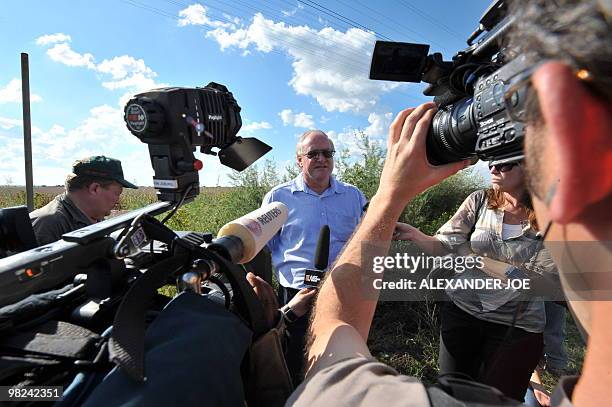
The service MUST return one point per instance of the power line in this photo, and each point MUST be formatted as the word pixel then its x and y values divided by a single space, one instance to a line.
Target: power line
pixel 339 16
pixel 431 19
pixel 355 59
pixel 352 62
pixel 288 44
pixel 403 26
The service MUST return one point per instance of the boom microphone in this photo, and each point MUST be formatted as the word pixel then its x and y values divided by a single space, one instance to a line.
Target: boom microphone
pixel 240 240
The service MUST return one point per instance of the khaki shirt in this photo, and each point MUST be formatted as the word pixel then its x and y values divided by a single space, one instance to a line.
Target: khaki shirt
pixel 59 216
pixel 359 382
pixel 364 381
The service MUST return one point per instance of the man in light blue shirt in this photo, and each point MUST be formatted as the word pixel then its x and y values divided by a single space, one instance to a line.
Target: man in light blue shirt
pixel 314 198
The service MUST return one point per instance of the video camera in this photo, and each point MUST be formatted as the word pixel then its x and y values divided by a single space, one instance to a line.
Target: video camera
pixel 108 273
pixel 479 112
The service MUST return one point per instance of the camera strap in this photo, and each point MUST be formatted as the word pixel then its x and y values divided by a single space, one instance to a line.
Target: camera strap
pixel 126 346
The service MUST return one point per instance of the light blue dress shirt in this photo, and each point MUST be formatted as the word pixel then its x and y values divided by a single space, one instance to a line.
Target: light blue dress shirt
pixel 340 206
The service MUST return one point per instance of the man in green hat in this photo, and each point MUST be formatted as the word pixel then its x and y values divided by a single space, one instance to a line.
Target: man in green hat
pixel 92 190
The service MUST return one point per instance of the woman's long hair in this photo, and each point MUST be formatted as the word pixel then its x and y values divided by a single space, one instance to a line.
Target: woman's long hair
pixel 496 200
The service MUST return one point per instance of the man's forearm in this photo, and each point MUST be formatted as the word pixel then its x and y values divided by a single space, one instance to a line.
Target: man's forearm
pixel 341 296
pixel 345 306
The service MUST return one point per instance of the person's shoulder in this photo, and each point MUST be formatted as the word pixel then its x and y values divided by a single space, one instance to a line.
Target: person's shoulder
pixel 339 383
pixel 52 210
pixel 348 187
pixel 278 191
pixel 477 198
pixel 478 194
pixel 284 186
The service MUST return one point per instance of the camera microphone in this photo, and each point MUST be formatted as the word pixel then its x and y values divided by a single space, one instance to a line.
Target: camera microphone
pixel 312 278
pixel 240 240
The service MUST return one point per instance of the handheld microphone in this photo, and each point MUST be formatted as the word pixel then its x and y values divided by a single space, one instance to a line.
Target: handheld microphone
pixel 240 240
pixel 312 277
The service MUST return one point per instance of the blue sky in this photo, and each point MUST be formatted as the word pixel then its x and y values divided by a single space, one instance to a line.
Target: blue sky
pixel 292 65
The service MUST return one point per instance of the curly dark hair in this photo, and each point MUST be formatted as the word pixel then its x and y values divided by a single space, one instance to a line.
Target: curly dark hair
pixel 576 32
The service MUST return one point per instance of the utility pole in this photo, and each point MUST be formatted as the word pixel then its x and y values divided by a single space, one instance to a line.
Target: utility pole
pixel 27 129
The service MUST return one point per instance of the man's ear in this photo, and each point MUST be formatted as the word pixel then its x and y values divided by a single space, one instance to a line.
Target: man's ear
pixel 93 188
pixel 579 124
pixel 298 160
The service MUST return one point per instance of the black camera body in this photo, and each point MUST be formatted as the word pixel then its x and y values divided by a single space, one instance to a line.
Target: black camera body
pixel 473 118
pixel 479 124
pixel 174 121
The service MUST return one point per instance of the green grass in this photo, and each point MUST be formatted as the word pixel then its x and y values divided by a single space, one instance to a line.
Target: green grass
pixel 404 335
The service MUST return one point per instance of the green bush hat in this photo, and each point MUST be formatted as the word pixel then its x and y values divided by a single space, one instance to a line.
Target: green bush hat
pixel 101 167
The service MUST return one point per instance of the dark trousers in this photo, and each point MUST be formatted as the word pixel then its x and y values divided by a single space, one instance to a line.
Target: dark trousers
pixel 295 354
pixel 488 352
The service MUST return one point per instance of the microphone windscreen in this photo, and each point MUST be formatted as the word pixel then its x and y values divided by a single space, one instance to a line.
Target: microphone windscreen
pixel 322 252
pixel 256 228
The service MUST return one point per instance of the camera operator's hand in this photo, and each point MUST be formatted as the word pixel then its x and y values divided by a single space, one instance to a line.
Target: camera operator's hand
pixel 407 172
pixel 266 295
pixel 302 301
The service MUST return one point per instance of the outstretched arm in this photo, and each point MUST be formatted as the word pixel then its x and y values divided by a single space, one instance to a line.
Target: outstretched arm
pixel 428 244
pixel 342 315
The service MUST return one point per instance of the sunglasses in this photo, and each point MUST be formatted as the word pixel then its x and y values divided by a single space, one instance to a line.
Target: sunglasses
pixel 315 153
pixel 503 167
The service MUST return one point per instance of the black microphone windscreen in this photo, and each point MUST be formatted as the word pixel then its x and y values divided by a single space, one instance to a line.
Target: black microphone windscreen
pixel 322 253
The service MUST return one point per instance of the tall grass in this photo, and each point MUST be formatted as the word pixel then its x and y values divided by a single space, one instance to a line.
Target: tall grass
pixel 404 335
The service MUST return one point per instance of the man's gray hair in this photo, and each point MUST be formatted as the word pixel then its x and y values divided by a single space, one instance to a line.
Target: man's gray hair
pixel 298 147
pixel 576 32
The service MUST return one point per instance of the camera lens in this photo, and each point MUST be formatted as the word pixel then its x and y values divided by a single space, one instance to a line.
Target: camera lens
pixel 453 134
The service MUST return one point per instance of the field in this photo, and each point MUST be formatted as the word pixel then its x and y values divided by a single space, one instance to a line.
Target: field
pixel 404 334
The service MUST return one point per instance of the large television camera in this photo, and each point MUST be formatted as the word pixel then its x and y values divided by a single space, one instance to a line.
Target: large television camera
pixel 479 112
pixel 108 273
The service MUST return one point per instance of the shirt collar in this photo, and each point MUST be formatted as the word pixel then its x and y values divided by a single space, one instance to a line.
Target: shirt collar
pixel 74 211
pixel 335 187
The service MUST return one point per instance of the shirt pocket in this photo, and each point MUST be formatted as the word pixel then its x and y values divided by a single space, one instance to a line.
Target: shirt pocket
pixel 342 226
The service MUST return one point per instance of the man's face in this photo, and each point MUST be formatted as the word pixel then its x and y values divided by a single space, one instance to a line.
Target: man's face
pixel 318 168
pixel 106 198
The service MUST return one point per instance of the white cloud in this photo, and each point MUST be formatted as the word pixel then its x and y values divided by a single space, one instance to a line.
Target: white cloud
pixel 331 66
pixel 289 13
pixel 377 132
pixel 11 93
pixel 7 123
pixel 379 125
pixel 196 14
pixel 126 72
pixel 55 148
pixel 52 39
pixel 120 67
pixel 251 127
pixel 64 54
pixel 103 131
pixel 296 119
